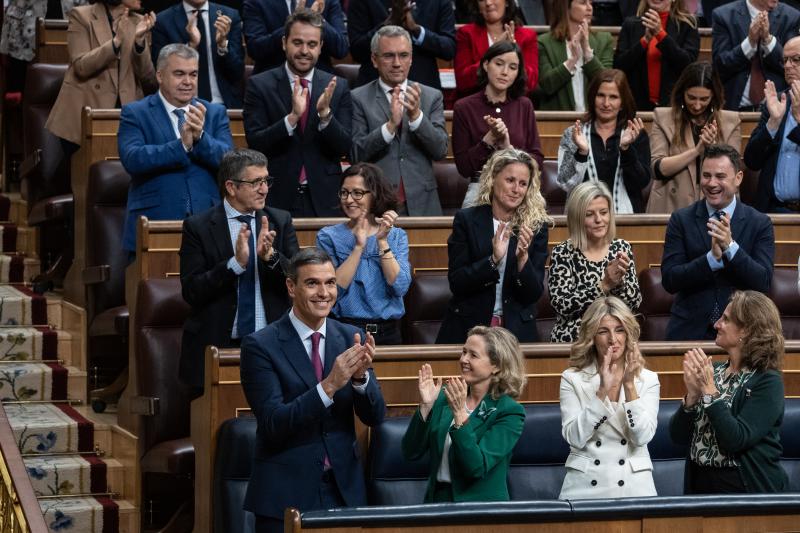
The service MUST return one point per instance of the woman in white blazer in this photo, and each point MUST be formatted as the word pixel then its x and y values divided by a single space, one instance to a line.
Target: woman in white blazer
pixel 609 407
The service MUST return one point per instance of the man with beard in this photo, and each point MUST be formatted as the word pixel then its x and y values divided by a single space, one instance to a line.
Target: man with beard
pixel 714 247
pixel 300 117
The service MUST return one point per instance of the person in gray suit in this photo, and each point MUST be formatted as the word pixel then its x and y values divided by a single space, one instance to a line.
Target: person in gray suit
pixel 399 126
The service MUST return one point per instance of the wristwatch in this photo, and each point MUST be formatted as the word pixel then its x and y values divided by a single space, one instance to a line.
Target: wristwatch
pixel 708 398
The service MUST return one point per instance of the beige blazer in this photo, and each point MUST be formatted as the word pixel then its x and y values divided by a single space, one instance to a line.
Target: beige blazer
pixel 96 76
pixel 683 189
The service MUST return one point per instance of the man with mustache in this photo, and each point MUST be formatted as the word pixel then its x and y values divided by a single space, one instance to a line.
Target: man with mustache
pixel 304 376
pixel 714 247
pixel 300 117
pixel 232 259
pixel 399 125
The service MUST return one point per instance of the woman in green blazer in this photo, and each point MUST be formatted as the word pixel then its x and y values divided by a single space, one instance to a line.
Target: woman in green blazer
pixel 470 425
pixel 732 412
pixel 570 54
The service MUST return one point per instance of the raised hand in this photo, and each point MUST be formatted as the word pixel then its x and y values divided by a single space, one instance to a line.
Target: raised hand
pixel 652 24
pixel 266 237
pixel 118 26
pixel 193 30
pixel 609 379
pixel 524 238
pixel 754 32
pixel 317 7
pixel 299 103
pixel 361 231
pixel 615 270
pixel 195 119
pixel 222 26
pixel 720 232
pixel 698 373
pixel 455 390
pixel 366 362
pixel 585 47
pixel 143 27
pixel 344 367
pixel 575 50
pixel 242 249
pixel 412 99
pixel 408 19
pixel 776 105
pixel 500 242
pixel 708 135
pixel 396 108
pixel 634 364
pixel 324 100
pixel 385 224
pixel 428 389
pixel 630 133
pixel 580 139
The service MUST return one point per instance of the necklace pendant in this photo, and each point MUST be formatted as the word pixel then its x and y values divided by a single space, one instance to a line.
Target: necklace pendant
pixel 497 110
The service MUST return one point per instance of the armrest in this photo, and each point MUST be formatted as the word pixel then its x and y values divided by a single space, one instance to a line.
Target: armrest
pixel 30 163
pixel 96 274
pixel 52 209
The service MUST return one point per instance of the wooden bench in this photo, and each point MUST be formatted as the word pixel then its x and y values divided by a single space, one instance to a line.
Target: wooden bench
pixel 396 369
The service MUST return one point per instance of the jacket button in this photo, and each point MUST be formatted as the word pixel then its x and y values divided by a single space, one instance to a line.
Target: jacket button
pixel 594 482
pixel 629 411
pixel 597 461
pixel 598 443
pixel 605 418
pixel 620 482
pixel 632 424
pixel 622 461
pixel 623 442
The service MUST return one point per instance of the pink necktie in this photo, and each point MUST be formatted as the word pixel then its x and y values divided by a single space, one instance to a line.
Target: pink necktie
pixel 316 362
pixel 303 120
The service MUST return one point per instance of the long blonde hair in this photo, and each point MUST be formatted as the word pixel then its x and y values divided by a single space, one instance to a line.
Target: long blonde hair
pixel 584 352
pixel 532 212
pixel 505 353
pixel 676 12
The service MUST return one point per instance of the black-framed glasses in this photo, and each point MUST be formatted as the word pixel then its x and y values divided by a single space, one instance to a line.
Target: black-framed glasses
pixel 355 194
pixel 793 60
pixel 256 184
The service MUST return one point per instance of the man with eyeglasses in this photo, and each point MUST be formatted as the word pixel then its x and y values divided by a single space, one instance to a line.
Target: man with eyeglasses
pixel 300 117
pixel 774 146
pixel 399 125
pixel 748 37
pixel 232 259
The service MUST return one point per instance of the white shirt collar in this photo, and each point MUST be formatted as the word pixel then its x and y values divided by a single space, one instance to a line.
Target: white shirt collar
pixel 385 87
pixel 751 9
pixel 292 75
pixel 232 212
pixel 728 209
pixel 190 8
pixel 169 107
pixel 303 330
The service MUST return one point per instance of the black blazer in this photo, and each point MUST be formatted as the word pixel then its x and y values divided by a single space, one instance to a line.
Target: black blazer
pixel 473 281
pixel 731 23
pixel 229 69
pixel 267 100
pixel 685 271
pixel 210 287
pixel 678 49
pixel 762 154
pixel 365 17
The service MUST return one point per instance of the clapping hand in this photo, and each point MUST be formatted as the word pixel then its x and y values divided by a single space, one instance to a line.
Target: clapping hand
pixel 580 139
pixel 266 237
pixel 369 354
pixel 193 30
pixel 721 237
pixel 634 363
pixel 324 100
pixel 708 135
pixel 396 108
pixel 455 390
pixel 299 103
pixel 615 271
pixel 524 238
pixel 385 224
pixel 652 24
pixel 143 27
pixel 222 26
pixel 347 364
pixel 500 242
pixel 630 133
pixel 698 375
pixel 776 105
pixel 317 7
pixel 361 231
pixel 195 119
pixel 411 102
pixel 497 135
pixel 609 379
pixel 428 390
pixel 794 89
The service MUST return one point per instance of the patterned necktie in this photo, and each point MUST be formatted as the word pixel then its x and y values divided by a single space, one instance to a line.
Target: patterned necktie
pixel 181 114
pixel 246 310
pixel 401 190
pixel 203 82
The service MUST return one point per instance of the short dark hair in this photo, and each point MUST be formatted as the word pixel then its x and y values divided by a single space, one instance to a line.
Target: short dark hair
pixel 714 151
pixel 512 13
pixel 109 3
pixel 305 16
pixel 234 163
pixel 627 110
pixel 306 256
pixel 382 193
pixel 499 48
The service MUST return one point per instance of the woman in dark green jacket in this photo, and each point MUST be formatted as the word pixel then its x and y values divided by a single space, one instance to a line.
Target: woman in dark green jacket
pixel 470 425
pixel 732 412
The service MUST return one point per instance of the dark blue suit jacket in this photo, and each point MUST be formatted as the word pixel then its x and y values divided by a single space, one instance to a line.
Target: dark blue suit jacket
pixel 762 154
pixel 295 429
pixel 730 25
pixel 267 101
pixel 263 32
pixel 685 271
pixel 171 28
pixel 165 178
pixel 365 17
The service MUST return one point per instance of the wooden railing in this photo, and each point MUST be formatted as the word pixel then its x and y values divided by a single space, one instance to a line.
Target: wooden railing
pixel 19 508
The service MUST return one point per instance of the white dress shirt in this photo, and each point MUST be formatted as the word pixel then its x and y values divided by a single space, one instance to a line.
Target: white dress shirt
pixel 412 125
pixel 216 96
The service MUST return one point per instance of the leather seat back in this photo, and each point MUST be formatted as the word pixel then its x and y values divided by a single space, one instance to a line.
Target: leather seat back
pixel 236 441
pixel 391 480
pixel 158 327
pixel 425 302
pixel 784 292
pixel 790 439
pixel 106 202
pixel 545 314
pixel 452 187
pixel 52 176
pixel 656 305
pixel 554 195
pixel 347 71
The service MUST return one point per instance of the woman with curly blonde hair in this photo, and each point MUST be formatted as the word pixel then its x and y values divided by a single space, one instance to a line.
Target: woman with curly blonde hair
pixel 469 426
pixel 609 407
pixel 497 251
pixel 732 412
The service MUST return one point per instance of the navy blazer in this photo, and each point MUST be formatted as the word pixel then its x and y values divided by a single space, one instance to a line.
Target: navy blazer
pixel 473 280
pixel 685 271
pixel 211 288
pixel 365 17
pixel 762 154
pixel 295 429
pixel 730 26
pixel 229 69
pixel 267 101
pixel 263 32
pixel 167 182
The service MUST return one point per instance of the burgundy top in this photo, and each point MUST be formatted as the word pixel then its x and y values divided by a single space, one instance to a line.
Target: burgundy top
pixel 470 152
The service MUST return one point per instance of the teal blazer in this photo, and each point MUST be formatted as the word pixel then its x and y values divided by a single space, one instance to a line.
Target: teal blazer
pixel 554 92
pixel 480 452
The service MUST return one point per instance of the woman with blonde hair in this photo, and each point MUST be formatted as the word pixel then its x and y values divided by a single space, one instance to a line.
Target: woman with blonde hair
pixel 732 412
pixel 470 425
pixel 609 407
pixel 591 263
pixel 497 251
pixel 654 47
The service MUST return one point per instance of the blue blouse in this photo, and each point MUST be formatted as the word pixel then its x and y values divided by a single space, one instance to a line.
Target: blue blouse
pixel 369 295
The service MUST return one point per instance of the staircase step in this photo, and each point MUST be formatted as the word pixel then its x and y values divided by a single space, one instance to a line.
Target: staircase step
pixel 68 475
pixel 87 515
pixel 18 210
pixel 26 381
pixel 129 517
pixel 18 268
pixel 70 321
pixel 44 428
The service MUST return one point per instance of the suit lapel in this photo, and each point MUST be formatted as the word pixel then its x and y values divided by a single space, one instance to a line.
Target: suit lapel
pixel 212 31
pixel 295 352
pixel 220 233
pixel 159 115
pixel 382 100
pixel 701 221
pixel 284 88
pixel 334 341
pixel 744 18
pixel 738 221
pixel 102 30
pixel 590 382
pixel 484 226
pixel 318 85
